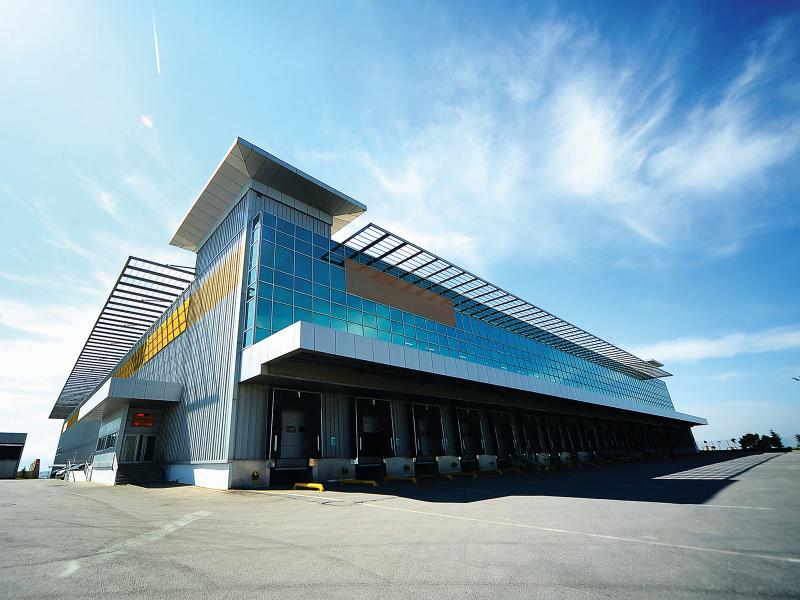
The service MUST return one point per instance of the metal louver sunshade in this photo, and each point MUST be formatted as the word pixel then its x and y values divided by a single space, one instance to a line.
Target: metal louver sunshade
pixel 141 294
pixel 474 297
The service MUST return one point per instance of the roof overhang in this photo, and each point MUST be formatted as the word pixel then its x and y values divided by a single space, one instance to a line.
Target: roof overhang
pixel 243 163
pixel 301 338
pixel 120 391
pixel 142 293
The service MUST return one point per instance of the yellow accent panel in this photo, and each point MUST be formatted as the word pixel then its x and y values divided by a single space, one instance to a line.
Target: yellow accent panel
pixel 167 331
pixel 221 282
pixel 70 421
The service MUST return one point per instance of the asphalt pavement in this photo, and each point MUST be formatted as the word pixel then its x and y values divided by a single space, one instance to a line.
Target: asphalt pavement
pixel 702 528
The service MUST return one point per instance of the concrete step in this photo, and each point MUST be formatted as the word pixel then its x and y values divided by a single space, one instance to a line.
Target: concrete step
pixel 138 473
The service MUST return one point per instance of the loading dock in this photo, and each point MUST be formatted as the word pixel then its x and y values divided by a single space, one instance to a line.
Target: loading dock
pixel 294 440
pixel 374 436
pixel 504 437
pixel 472 440
pixel 429 440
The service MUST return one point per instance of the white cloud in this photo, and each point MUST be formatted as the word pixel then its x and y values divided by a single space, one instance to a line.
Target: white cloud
pixel 699 348
pixel 568 145
pixel 727 376
pixel 101 197
pixel 147 121
pixel 38 346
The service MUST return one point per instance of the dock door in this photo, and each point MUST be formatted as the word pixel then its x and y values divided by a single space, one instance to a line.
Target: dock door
pixel 295 425
pixel 428 432
pixel 470 436
pixel 374 431
pixel 504 438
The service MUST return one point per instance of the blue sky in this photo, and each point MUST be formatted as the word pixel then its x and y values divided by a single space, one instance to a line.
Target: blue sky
pixel 631 168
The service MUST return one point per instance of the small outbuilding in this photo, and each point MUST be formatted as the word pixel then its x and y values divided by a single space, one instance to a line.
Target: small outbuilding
pixel 11 446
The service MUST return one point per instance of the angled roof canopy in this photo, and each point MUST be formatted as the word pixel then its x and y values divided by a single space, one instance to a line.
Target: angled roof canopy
pixel 244 162
pixel 472 296
pixel 143 291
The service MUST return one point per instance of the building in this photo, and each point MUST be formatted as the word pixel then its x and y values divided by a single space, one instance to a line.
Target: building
pixel 283 355
pixel 11 447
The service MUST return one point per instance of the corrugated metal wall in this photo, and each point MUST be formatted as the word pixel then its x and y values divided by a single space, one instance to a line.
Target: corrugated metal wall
pixel 203 360
pixel 250 411
pixel 77 442
pixel 227 230
pixel 338 422
pixel 290 214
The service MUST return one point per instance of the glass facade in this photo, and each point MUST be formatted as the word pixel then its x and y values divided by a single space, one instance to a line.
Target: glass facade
pixel 296 275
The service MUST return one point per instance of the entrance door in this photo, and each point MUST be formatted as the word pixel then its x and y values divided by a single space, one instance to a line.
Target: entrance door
pixel 130 446
pixel 469 429
pixel 428 434
pixel 374 431
pixel 138 448
pixel 295 428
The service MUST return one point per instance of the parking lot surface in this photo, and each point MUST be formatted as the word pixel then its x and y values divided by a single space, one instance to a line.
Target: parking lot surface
pixel 690 528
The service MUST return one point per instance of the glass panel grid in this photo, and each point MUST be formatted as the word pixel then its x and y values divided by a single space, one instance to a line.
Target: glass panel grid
pixel 472 339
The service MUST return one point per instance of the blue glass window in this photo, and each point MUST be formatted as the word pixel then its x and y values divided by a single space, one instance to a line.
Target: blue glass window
pixel 284 226
pixel 283 279
pixel 322 319
pixel 264 290
pixel 322 272
pixel 338 324
pixel 283 295
pixel 301 314
pixel 301 233
pixel 266 254
pixel 285 240
pixel 302 266
pixel 337 278
pixel 302 247
pixel 281 316
pixel 354 301
pixel 322 306
pixel 284 259
pixel 264 314
pixel 302 285
pixel 302 301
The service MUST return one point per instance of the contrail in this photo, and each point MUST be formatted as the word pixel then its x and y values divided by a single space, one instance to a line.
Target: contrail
pixel 155 43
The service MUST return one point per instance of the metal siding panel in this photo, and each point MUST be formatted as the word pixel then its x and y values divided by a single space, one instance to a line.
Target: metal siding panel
pixel 227 230
pixel 202 359
pixel 402 428
pixel 250 422
pixel 77 442
pixel 287 213
pixel 338 421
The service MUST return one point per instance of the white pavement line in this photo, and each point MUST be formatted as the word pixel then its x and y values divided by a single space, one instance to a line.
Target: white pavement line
pixel 733 506
pixel 593 535
pixel 135 542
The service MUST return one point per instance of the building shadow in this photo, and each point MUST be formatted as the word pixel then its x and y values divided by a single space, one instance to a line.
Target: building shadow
pixel 683 480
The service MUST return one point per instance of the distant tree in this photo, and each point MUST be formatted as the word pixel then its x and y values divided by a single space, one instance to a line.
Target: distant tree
pixel 775 440
pixel 797 437
pixel 749 441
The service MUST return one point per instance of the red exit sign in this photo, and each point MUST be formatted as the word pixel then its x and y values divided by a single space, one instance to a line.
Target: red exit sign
pixel 142 420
